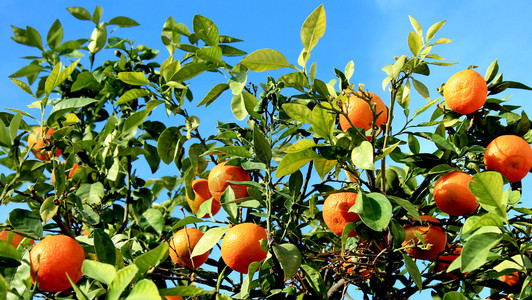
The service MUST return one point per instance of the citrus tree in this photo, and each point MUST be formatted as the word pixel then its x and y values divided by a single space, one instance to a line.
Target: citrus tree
pixel 317 189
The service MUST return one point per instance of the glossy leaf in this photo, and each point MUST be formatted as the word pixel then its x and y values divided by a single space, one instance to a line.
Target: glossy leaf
pixel 213 94
pixel 131 95
pixel 323 121
pixel 487 188
pixel 476 250
pixel 374 209
pixel 99 271
pixel 298 112
pixel 265 60
pixel 313 28
pixel 433 29
pixel 152 258
pixel 123 22
pixel 167 144
pixel 261 146
pixel 289 257
pixel 209 240
pixel 91 193
pixel 133 78
pixel 26 222
pixel 121 281
pixel 292 162
pixel 189 71
pixel 414 43
pixel 145 289
pixel 80 13
pixel 300 146
pixel 104 246
pixel 362 156
pixel 413 270
pixel 206 30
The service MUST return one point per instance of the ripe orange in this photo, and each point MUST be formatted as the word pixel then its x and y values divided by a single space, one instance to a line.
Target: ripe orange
pixel 181 246
pixel 465 92
pixel 359 112
pixel 444 261
pixel 335 212
pixel 171 297
pixel 221 174
pixel 53 258
pixel 511 279
pixel 452 195
pixel 241 246
pixel 15 240
pixel 201 190
pixel 434 236
pixel 37 143
pixel 70 173
pixel 509 154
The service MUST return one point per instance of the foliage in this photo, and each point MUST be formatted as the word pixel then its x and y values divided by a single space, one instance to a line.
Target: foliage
pixel 108 118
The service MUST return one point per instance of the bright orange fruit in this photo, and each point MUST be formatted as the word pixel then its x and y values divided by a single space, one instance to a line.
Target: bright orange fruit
pixel 221 174
pixel 37 141
pixel 452 195
pixel 359 112
pixel 202 194
pixel 444 261
pixel 15 240
pixel 181 246
pixel 465 92
pixel 434 236
pixel 241 246
pixel 509 154
pixel 335 212
pixel 53 258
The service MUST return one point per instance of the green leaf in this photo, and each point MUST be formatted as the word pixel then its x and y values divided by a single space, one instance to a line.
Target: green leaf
pixel 323 121
pixel 477 221
pixel 27 70
pixel 261 145
pixel 374 209
pixel 91 193
pixel 145 289
pixel 407 205
pixel 186 221
pixel 240 151
pixel 289 257
pixel 24 86
pixel 213 54
pixel 433 29
pixel 250 102
pixel 442 41
pixel 67 105
pixel 300 146
pixel 414 43
pixel 209 240
pixel 104 246
pixel 55 35
pixel 34 38
pixel 99 271
pixel 152 218
pixel 416 26
pixel 84 80
pixel 52 79
pixel 123 22
pixel 476 250
pixel 398 66
pixel 98 39
pixel 362 156
pixel 48 209
pixel 133 78
pixel 8 251
pixel 349 70
pixel 425 107
pixel 121 281
pixel 231 51
pixel 313 28
pixel 487 188
pixel 189 71
pixel 298 112
pixel 5 140
pixel 314 279
pixel 454 295
pixel 97 14
pixel 167 144
pixel 133 122
pixel 294 161
pixel 132 94
pixel 323 166
pixel 152 258
pixel 229 204
pixel 238 107
pixel 238 82
pixel 26 222
pixel 213 94
pixel 80 13
pixel 206 30
pixel 421 89
pixel 413 270
pixel 265 60
pixel 184 290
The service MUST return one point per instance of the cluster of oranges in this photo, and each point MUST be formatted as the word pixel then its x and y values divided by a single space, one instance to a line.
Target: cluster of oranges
pixel 241 243
pixel 465 93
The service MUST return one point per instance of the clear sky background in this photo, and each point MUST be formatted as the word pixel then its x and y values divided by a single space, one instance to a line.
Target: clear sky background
pixel 369 32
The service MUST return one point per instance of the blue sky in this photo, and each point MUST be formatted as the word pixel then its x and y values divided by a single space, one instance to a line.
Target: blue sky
pixel 368 32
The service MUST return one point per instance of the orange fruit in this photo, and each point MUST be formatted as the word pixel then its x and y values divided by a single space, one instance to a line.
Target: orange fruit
pixel 70 172
pixel 452 195
pixel 241 246
pixel 201 190
pixel 15 240
pixel 171 297
pixel 182 244
pixel 38 144
pixel 509 154
pixel 335 212
pixel 221 174
pixel 363 271
pixel 53 258
pixel 444 261
pixel 359 112
pixel 434 236
pixel 465 92
pixel 511 279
